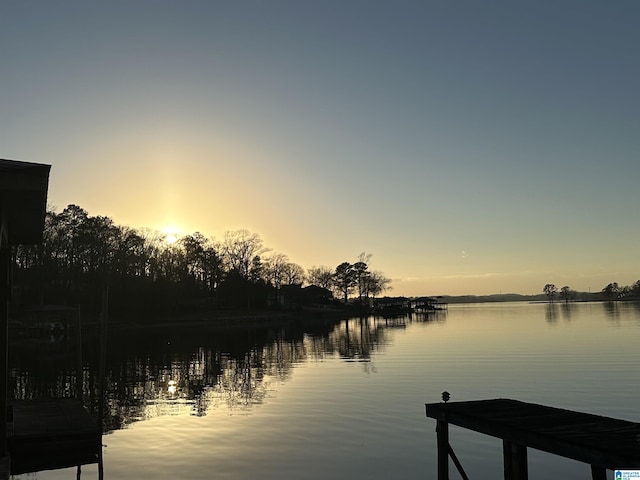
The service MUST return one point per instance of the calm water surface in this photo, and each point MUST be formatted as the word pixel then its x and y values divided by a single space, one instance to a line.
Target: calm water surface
pixel 345 400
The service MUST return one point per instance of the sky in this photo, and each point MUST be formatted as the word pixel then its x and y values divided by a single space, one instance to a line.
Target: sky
pixel 469 147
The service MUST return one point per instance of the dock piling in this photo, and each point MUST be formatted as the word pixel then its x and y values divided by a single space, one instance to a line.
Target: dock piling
pixel 442 433
pixel 598 473
pixel 515 461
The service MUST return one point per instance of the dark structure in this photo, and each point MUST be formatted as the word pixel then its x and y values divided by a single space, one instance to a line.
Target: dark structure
pixel 23 202
pixel 41 434
pixel 394 306
pixel 602 442
pixel 51 433
pixel 296 297
pixel 427 304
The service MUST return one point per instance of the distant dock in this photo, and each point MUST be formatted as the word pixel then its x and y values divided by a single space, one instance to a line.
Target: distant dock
pixel 401 305
pixel 602 442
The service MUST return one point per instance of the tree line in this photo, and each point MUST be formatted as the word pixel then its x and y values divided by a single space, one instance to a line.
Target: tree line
pixel 610 292
pixel 85 258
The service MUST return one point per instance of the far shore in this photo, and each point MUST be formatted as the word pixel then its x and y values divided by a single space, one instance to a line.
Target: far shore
pixel 307 315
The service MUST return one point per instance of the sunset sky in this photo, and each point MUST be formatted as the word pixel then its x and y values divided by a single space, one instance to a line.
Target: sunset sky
pixel 471 147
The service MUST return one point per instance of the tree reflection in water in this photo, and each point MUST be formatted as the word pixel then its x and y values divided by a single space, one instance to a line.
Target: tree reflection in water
pixel 191 372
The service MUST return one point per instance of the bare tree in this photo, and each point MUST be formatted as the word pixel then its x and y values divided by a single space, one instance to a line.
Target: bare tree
pixel 239 248
pixel 378 283
pixel 274 269
pixel 293 274
pixel 320 276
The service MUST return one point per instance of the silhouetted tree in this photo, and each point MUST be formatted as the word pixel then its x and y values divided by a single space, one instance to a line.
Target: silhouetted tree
pixel 274 267
pixel 293 274
pixel 626 291
pixel 213 271
pixel 378 283
pixel 320 276
pixel 361 276
pixel 193 246
pixel 239 248
pixel 611 291
pixel 256 270
pixel 550 290
pixel 82 255
pixel 344 279
pixel 129 256
pixel 567 294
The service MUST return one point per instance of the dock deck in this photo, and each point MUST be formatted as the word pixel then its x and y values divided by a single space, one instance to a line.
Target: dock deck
pixel 52 433
pixel 602 442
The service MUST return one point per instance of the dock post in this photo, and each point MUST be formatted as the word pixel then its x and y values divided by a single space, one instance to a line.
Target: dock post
pixel 104 319
pixel 79 370
pixel 515 461
pixel 4 337
pixel 598 473
pixel 442 434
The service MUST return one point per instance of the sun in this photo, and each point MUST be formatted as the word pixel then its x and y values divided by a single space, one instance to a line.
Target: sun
pixel 171 234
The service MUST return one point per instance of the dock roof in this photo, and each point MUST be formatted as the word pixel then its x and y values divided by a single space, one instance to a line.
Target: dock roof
pixel 23 198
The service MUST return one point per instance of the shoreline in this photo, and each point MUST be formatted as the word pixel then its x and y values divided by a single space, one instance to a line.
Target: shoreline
pixel 219 320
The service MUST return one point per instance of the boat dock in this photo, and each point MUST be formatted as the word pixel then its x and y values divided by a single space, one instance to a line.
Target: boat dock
pixel 52 433
pixel 34 434
pixel 604 443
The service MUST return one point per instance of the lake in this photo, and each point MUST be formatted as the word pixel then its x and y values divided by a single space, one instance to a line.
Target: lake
pixel 345 400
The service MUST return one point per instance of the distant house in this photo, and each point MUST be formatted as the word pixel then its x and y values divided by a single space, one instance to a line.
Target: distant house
pixel 293 297
pixel 290 296
pixel 315 294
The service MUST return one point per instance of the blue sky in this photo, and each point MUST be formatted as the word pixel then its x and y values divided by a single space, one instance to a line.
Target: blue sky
pixel 470 147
